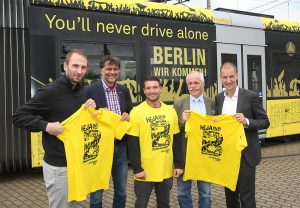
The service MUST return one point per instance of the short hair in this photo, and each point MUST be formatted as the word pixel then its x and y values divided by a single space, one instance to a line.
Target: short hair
pixel 195 72
pixel 228 64
pixel 73 51
pixel 151 78
pixel 111 60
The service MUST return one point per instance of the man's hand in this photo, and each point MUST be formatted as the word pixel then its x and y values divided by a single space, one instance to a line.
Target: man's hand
pixel 125 117
pixel 140 175
pixel 178 172
pixel 186 115
pixel 90 103
pixel 54 128
pixel 241 118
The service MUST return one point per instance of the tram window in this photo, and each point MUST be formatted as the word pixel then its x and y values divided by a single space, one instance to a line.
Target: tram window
pixel 96 50
pixel 226 57
pixel 285 74
pixel 254 73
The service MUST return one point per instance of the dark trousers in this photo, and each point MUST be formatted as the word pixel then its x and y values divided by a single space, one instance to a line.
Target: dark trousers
pixel 244 195
pixel 162 191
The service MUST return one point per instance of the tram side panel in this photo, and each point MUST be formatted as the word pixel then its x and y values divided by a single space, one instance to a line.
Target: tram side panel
pixel 283 83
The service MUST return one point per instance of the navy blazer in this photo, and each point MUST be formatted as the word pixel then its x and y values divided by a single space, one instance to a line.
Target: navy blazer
pixel 96 92
pixel 250 105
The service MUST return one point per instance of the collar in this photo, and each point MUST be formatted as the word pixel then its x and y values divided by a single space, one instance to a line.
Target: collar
pixel 107 87
pixel 200 98
pixel 234 95
pixel 149 106
pixel 67 82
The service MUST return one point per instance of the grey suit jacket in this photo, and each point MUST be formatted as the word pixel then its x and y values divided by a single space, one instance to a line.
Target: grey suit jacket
pixel 250 105
pixel 183 104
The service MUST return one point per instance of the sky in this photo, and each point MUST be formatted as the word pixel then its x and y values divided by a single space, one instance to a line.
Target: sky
pixel 281 9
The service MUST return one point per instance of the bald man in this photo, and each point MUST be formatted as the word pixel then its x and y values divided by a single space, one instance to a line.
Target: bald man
pixel 196 101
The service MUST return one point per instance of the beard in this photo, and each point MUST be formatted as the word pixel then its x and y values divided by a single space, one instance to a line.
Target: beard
pixel 74 79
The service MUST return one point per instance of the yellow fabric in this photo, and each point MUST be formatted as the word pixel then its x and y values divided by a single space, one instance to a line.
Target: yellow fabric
pixel 214 149
pixel 89 146
pixel 155 128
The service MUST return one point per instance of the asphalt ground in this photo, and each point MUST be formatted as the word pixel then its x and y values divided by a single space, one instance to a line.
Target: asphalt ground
pixel 277 184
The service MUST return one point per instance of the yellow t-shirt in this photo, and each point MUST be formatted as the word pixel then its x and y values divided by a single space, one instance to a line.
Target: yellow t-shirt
pixel 155 128
pixel 214 149
pixel 89 146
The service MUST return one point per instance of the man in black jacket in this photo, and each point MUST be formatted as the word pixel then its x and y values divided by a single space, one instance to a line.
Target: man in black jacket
pixel 45 111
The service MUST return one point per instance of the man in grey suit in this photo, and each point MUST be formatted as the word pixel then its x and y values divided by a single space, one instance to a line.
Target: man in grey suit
pixel 246 106
pixel 196 101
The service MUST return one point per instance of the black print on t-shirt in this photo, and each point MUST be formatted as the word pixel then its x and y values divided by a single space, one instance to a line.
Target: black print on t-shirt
pixel 160 130
pixel 211 141
pixel 92 138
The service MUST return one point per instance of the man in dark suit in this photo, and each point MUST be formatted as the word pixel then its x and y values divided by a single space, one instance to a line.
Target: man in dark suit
pixel 246 106
pixel 196 101
pixel 115 97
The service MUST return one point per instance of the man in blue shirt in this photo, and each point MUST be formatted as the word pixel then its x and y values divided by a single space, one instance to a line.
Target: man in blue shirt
pixel 196 101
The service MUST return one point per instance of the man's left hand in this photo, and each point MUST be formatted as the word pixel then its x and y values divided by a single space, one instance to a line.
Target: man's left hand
pixel 241 118
pixel 125 117
pixel 178 172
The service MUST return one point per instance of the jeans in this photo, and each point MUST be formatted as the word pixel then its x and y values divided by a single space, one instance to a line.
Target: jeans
pixel 185 196
pixel 119 175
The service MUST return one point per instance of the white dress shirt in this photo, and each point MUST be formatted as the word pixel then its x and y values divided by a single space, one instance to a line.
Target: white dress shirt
pixel 230 103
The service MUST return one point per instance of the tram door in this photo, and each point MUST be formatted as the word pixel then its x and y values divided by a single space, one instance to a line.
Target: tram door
pixel 245 47
pixel 250 62
pixel 231 53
